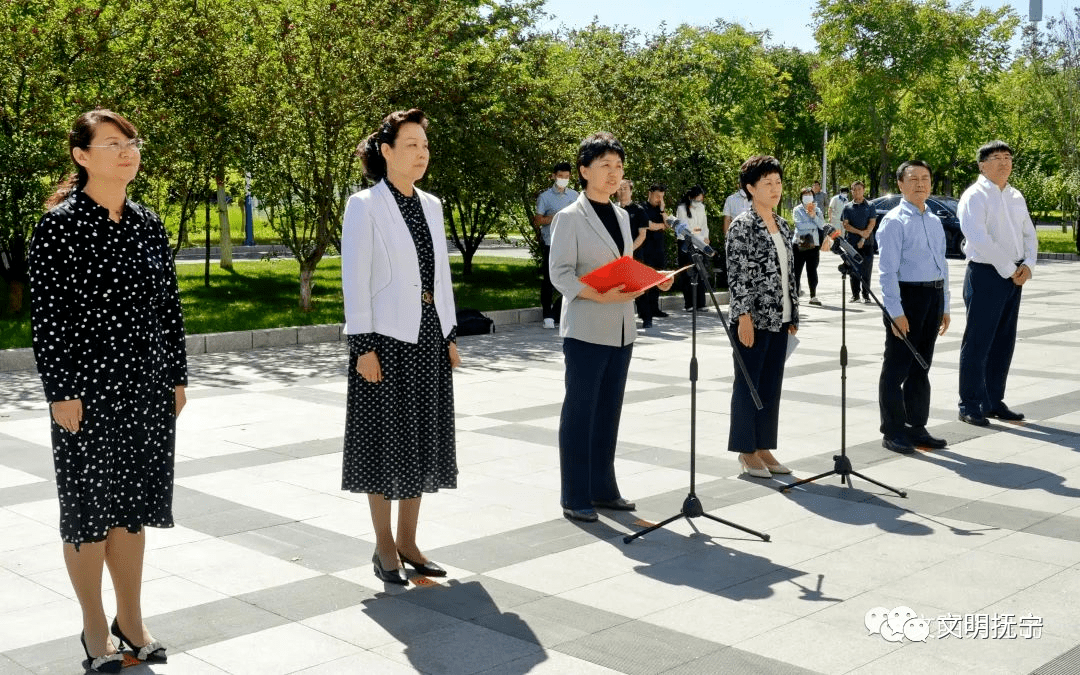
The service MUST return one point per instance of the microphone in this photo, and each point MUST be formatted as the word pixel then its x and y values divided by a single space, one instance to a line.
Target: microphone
pixel 843 244
pixel 682 231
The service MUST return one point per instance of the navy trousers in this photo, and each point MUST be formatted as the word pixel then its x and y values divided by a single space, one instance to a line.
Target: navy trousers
pixel 589 425
pixel 753 429
pixel 858 286
pixel 904 386
pixel 986 351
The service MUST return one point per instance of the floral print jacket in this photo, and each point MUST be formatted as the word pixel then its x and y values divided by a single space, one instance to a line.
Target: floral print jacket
pixel 754 280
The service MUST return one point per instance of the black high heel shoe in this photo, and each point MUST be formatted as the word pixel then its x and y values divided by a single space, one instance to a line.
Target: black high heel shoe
pixel 151 652
pixel 110 663
pixel 428 569
pixel 394 576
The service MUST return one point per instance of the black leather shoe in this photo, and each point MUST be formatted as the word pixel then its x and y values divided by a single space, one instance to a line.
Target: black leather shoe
pixel 975 419
pixel 898 444
pixel 620 504
pixel 394 576
pixel 110 663
pixel 661 315
pixel 584 515
pixel 925 440
pixel 646 324
pixel 428 569
pixel 1002 412
pixel 151 652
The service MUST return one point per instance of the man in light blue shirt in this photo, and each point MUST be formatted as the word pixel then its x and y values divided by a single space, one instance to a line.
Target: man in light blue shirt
pixel 551 201
pixel 915 290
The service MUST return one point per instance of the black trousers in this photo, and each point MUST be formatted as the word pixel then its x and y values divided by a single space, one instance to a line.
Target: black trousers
pixel 547 290
pixel 809 258
pixel 858 288
pixel 904 387
pixel 648 304
pixel 753 429
pixel 993 305
pixel 589 424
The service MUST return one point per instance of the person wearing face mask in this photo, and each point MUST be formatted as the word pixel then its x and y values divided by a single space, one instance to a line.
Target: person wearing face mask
pixel 548 203
pixel 809 233
pixel 691 210
pixel 835 212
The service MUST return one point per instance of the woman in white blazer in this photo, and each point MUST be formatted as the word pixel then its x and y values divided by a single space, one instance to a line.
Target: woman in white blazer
pixel 598 331
pixel 400 322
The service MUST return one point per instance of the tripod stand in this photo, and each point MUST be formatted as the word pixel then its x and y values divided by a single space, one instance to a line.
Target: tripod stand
pixel 841 463
pixel 691 507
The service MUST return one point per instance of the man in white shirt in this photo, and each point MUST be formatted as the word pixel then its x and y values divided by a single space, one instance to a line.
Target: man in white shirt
pixel 734 205
pixel 836 209
pixel 1001 248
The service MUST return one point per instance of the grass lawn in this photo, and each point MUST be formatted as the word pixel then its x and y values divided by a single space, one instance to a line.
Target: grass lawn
pixel 197 232
pixel 265 293
pixel 1056 241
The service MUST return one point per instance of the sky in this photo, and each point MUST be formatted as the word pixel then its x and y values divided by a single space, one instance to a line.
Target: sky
pixel 788 21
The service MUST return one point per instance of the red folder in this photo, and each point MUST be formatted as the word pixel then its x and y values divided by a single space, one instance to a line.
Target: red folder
pixel 633 275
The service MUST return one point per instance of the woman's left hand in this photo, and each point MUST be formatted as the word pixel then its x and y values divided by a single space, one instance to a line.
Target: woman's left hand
pixel 455 358
pixel 666 286
pixel 792 329
pixel 181 398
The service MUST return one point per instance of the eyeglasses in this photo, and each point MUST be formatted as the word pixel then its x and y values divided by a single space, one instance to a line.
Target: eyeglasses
pixel 134 145
pixel 1002 157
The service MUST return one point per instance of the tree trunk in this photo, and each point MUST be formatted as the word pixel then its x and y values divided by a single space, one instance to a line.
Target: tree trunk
pixel 15 296
pixel 223 222
pixel 307 274
pixel 883 165
pixel 206 274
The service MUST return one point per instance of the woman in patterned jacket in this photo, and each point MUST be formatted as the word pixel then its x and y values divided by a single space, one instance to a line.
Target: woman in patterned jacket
pixel 764 311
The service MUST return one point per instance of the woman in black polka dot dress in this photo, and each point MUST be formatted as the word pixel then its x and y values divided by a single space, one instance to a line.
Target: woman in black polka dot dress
pixel 109 343
pixel 400 319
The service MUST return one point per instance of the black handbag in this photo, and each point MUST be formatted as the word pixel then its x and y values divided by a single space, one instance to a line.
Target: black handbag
pixel 806 242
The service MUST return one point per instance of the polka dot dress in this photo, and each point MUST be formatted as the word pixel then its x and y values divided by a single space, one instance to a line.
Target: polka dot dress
pixel 399 433
pixel 108 330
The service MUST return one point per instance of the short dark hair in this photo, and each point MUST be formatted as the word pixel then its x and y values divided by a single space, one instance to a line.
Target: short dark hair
pixel 993 146
pixel 844 188
pixel 658 187
pixel 817 182
pixel 912 162
pixel 753 169
pixel 368 151
pixel 594 146
pixel 562 166
pixel 857 182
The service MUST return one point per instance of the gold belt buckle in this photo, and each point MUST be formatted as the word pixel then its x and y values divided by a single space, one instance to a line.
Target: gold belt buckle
pixel 428 297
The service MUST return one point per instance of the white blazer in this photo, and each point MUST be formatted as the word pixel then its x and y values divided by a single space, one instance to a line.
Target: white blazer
pixel 380 273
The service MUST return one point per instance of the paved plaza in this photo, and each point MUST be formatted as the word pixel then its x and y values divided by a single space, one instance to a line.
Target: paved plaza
pixel 268 568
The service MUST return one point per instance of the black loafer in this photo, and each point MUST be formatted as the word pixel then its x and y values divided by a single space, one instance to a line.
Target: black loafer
pixel 927 441
pixel 974 419
pixel 584 515
pixel 661 315
pixel 394 576
pixel 898 444
pixel 1002 412
pixel 428 569
pixel 620 504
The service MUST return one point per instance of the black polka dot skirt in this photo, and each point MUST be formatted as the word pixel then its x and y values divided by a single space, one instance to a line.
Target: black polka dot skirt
pixel 399 433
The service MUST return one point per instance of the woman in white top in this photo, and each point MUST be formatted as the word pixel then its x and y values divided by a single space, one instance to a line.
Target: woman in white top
pixel 691 210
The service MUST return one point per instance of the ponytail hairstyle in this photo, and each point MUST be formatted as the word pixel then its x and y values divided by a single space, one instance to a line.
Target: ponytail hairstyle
pixel 689 196
pixel 369 150
pixel 80 136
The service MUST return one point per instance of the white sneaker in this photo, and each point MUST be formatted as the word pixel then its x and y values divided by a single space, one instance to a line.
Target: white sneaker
pixel 549 323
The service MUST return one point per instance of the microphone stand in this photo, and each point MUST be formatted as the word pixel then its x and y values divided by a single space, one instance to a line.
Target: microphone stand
pixel 691 507
pixel 841 463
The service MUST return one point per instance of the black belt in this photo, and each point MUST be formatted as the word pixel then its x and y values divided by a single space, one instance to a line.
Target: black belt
pixel 427 297
pixel 937 283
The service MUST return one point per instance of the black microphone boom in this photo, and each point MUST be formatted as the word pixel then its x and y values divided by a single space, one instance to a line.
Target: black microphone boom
pixel 682 230
pixel 843 244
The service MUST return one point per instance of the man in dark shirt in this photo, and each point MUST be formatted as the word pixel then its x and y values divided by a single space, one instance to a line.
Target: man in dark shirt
pixel 653 249
pixel 639 228
pixel 859 220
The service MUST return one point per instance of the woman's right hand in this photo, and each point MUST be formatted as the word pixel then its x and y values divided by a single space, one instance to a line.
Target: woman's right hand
pixel 369 368
pixel 746 331
pixel 68 414
pixel 612 295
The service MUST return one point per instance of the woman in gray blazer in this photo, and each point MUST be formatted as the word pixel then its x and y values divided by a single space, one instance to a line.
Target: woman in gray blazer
pixel 598 331
pixel 400 322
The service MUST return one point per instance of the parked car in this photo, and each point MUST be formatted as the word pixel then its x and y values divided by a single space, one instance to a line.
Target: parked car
pixel 943 207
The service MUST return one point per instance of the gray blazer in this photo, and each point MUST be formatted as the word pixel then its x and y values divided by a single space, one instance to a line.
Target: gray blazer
pixel 579 244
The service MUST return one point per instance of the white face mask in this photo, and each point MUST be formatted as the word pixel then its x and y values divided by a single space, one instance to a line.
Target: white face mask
pixel 697 205
pixel 561 183
pixel 807 199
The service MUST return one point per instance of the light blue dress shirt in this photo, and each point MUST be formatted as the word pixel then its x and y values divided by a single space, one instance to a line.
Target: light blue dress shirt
pixel 550 202
pixel 911 247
